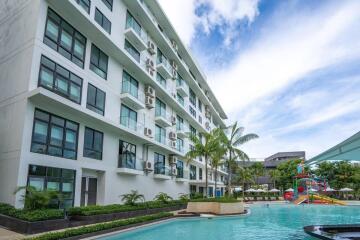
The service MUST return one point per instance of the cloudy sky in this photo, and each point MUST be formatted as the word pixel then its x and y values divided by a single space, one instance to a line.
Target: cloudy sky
pixel 286 70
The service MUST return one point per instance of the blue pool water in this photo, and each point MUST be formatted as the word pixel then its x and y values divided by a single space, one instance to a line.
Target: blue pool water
pixel 274 222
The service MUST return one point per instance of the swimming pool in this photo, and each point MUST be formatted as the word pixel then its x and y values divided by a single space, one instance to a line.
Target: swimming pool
pixel 273 222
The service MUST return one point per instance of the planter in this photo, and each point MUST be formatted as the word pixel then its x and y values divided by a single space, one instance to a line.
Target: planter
pixel 215 208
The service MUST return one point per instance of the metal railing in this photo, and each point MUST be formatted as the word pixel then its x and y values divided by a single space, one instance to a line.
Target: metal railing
pixel 126 87
pixel 131 23
pixel 163 60
pixel 127 162
pixel 160 168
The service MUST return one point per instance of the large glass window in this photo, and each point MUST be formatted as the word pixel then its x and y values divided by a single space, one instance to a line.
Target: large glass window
pixel 192 111
pixel 179 123
pixel 200 174
pixel 179 144
pixel 180 169
pixel 102 20
pixel 180 99
pixel 108 3
pixel 160 108
pixel 160 134
pixel 99 62
pixel 161 80
pixel 192 130
pixel 132 50
pixel 128 117
pixel 53 135
pixel 85 4
pixel 127 155
pixel 93 143
pixel 192 97
pixel 132 23
pixel 159 163
pixel 200 105
pixel 95 99
pixel 63 38
pixel 54 179
pixel 129 85
pixel 54 77
pixel 192 172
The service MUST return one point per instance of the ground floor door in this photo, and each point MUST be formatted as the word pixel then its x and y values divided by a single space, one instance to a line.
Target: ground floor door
pixel 88 191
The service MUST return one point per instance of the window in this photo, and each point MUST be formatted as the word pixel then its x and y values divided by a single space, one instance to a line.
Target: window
pixel 161 80
pixel 200 136
pixel 132 50
pixel 57 79
pixel 192 172
pixel 95 99
pixel 128 117
pixel 127 155
pixel 192 189
pixel 192 97
pixel 192 74
pixel 179 123
pixel 132 23
pixel 201 190
pixel 63 38
pixel 200 105
pixel 159 163
pixel 180 99
pixel 200 119
pixel 93 143
pixel 180 169
pixel 160 108
pixel 85 4
pixel 99 62
pixel 192 112
pixel 160 57
pixel 129 85
pixel 179 144
pixel 192 131
pixel 102 21
pixel 108 3
pixel 200 174
pixel 54 179
pixel 160 134
pixel 53 135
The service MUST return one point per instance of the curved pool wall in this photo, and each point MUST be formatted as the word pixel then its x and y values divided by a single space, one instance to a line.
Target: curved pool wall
pixel 272 222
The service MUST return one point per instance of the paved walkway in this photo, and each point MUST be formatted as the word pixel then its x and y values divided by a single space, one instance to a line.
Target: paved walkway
pixel 9 235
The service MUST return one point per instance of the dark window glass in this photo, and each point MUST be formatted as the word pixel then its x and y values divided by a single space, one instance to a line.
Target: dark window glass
pixel 59 80
pixel 160 108
pixel 200 174
pixel 108 3
pixel 132 23
pixel 179 123
pixel 180 99
pixel 64 39
pixel 199 105
pixel 132 51
pixel 192 111
pixel 127 155
pixel 99 62
pixel 128 117
pixel 102 21
pixel 93 143
pixel 180 169
pixel 129 85
pixel 54 179
pixel 192 130
pixel 192 172
pixel 192 97
pixel 160 134
pixel 179 144
pixel 159 163
pixel 161 80
pixel 53 135
pixel 95 99
pixel 85 4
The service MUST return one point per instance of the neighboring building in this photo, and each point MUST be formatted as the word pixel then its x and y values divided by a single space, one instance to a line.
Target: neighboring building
pixel 96 100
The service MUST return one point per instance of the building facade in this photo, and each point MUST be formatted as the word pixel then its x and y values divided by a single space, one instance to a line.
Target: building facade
pixel 97 99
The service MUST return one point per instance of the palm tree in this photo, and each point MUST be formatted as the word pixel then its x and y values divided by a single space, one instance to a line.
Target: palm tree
pixel 257 170
pixel 163 197
pixel 216 161
pixel 275 175
pixel 35 199
pixel 244 175
pixel 232 141
pixel 206 149
pixel 132 197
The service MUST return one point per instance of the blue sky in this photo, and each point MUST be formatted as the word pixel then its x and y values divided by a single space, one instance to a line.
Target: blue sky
pixel 286 70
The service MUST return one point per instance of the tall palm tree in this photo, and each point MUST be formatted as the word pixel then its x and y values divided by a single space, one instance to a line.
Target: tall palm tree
pixel 244 175
pixel 216 161
pixel 233 139
pixel 207 148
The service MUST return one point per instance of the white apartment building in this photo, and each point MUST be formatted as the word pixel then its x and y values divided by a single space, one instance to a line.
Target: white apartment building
pixel 96 100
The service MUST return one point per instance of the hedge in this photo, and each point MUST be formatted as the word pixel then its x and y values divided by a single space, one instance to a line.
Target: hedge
pixel 31 215
pixel 99 227
pixel 115 208
pixel 220 200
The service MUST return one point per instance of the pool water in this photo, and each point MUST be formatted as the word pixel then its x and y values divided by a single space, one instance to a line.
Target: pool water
pixel 273 222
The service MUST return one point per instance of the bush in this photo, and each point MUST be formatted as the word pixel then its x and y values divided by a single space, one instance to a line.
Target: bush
pixel 220 200
pixel 163 197
pixel 31 215
pixel 196 195
pixel 114 208
pixel 99 227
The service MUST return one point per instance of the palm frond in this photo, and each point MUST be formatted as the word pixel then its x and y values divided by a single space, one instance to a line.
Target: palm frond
pixel 243 139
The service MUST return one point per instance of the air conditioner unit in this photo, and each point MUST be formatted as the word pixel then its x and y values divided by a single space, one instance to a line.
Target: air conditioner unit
pixel 172 159
pixel 173 120
pixel 150 63
pixel 151 47
pixel 207 108
pixel 174 65
pixel 149 91
pixel 151 72
pixel 147 166
pixel 173 144
pixel 149 102
pixel 174 171
pixel 148 132
pixel 174 44
pixel 208 115
pixel 207 125
pixel 172 135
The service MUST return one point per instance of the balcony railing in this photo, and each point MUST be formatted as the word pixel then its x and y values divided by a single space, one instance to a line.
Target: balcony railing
pixel 162 60
pixel 124 162
pixel 133 91
pixel 131 23
pixel 161 169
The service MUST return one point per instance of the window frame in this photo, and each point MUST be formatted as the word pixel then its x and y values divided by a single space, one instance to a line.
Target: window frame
pixel 93 144
pixel 97 65
pixel 134 53
pixel 82 3
pixel 108 4
pixel 104 19
pixel 96 94
pixel 127 154
pixel 129 110
pixel 159 159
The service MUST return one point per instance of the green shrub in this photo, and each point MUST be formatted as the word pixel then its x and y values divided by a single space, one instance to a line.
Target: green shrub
pixel 163 197
pixel 132 198
pixel 114 208
pixel 196 195
pixel 99 227
pixel 220 200
pixel 30 215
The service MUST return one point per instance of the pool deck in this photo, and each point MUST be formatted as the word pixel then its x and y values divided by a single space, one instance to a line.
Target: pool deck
pixel 9 235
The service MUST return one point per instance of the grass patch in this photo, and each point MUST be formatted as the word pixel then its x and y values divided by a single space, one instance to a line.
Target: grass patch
pixel 99 227
pixel 31 215
pixel 115 208
pixel 219 200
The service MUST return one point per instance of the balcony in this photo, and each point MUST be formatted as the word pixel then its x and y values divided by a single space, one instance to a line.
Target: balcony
pixel 163 67
pixel 163 118
pixel 128 167
pixel 182 175
pixel 162 172
pixel 132 97
pixel 136 35
pixel 182 88
pixel 132 125
pixel 182 130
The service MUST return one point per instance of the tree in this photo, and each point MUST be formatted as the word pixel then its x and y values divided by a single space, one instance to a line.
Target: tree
pixel 132 198
pixel 244 175
pixel 216 161
pixel 233 138
pixel 287 172
pixel 257 170
pixel 35 199
pixel 275 176
pixel 211 144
